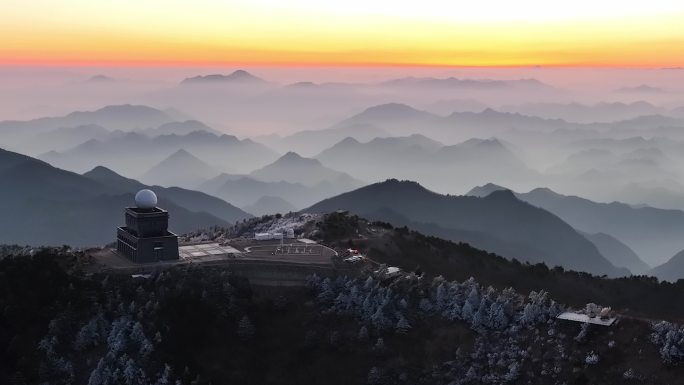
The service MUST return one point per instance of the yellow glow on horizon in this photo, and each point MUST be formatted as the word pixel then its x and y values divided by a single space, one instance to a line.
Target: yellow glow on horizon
pixel 355 32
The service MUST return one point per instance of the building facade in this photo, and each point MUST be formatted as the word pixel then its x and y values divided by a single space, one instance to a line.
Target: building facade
pixel 145 237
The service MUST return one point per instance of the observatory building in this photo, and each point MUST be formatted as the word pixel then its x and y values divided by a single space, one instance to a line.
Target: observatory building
pixel 145 237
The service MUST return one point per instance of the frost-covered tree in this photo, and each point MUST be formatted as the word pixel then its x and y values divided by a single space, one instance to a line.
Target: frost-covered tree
pixel 670 340
pixel 582 335
pixel 629 374
pixel 498 319
pixel 591 358
pixel 467 312
pixel 326 293
pixel 92 333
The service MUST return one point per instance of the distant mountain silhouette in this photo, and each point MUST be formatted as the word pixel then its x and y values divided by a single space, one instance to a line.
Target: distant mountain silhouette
pixel 389 112
pixel 212 185
pixel 311 142
pixel 400 119
pixel 100 79
pixel 645 89
pixel 179 128
pixel 116 117
pixel 132 153
pixel 242 190
pixel 377 148
pixel 473 152
pixel 652 233
pixel 618 253
pixel 383 116
pixel 498 223
pixel 483 191
pixel 583 113
pixel 293 168
pixel 121 117
pixel 413 156
pixel 677 112
pixel 270 205
pixel 42 204
pixel 181 169
pixel 237 77
pixel 192 200
pixel 672 270
pixel 455 83
pixel 63 138
pixel 448 106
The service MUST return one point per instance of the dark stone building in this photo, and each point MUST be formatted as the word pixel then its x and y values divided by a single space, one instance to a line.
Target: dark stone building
pixel 145 237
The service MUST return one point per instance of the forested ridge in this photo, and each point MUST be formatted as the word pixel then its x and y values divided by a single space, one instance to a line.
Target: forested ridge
pixel 484 320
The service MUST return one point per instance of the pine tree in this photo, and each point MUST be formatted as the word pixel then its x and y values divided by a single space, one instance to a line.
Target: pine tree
pixel 245 328
pixel 440 298
pixel 582 336
pixel 165 377
pixel 474 298
pixel 497 316
pixel 379 345
pixel 467 312
pixel 403 325
pixel 374 376
pixel 379 319
pixel 425 305
pixel 363 333
pixel 592 358
pixel 326 293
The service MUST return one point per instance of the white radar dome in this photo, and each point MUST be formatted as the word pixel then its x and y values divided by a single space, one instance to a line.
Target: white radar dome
pixel 146 199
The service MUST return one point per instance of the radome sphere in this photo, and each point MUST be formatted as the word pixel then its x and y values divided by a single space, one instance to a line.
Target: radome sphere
pixel 146 199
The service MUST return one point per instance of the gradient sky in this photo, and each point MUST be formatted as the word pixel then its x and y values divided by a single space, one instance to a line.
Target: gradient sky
pixel 353 32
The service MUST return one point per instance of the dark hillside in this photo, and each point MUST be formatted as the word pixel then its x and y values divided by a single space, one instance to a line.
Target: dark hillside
pixel 412 251
pixel 114 329
pixel 499 223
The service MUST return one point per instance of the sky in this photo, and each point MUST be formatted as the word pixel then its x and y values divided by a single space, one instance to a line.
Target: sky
pixel 499 33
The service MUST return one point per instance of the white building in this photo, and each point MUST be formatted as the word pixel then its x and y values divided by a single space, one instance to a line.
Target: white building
pixel 267 236
pixel 584 318
pixel 262 236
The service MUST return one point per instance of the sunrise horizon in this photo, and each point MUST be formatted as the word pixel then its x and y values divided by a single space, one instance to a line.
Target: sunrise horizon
pixel 358 34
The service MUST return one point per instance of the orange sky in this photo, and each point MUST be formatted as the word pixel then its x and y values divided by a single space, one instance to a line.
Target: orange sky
pixel 351 33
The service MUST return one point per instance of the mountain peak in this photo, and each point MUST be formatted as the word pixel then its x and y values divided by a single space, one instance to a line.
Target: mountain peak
pixel 100 171
pixel 100 79
pixel 482 143
pixel 348 141
pixel 501 195
pixel 643 88
pixel 242 75
pixel 485 190
pixel 390 109
pixel 182 153
pixel 238 76
pixel 292 158
pixel 543 190
pixel 394 184
pixel 182 169
pixel 670 270
pixel 109 177
pixel 499 223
